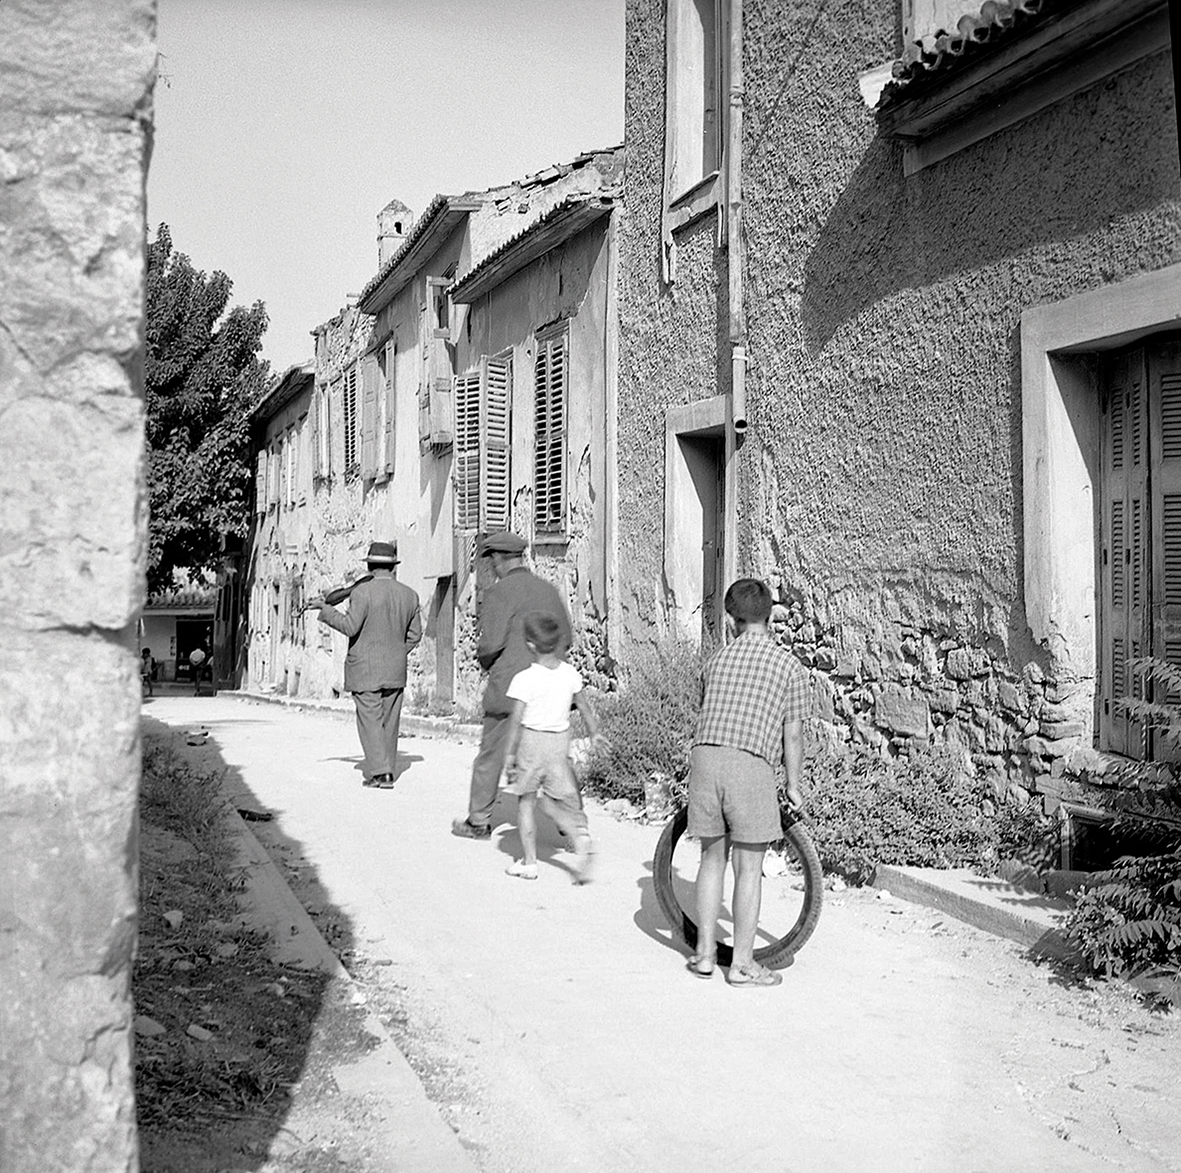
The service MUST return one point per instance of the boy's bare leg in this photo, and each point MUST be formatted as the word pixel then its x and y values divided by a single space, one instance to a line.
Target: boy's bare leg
pixel 748 897
pixel 527 826
pixel 710 875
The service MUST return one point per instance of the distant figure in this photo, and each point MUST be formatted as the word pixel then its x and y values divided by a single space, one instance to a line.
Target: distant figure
pixel 383 625
pixel 502 654
pixel 754 699
pixel 198 661
pixel 538 756
pixel 146 667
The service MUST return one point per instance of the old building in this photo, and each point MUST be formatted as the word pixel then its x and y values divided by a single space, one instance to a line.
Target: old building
pixel 413 392
pixel 904 352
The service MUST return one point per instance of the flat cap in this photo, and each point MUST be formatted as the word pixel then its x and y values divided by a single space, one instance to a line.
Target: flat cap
pixel 503 542
pixel 382 553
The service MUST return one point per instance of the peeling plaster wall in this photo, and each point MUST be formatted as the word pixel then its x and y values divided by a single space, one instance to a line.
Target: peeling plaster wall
pixel 75 116
pixel 880 484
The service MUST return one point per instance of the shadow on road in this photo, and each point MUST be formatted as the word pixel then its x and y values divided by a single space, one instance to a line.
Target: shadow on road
pixel 222 1095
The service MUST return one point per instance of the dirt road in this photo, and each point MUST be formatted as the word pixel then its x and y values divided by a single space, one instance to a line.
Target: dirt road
pixel 557 1029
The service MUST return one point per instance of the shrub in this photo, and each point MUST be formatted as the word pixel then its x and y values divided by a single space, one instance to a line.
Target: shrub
pixel 925 810
pixel 1128 920
pixel 648 721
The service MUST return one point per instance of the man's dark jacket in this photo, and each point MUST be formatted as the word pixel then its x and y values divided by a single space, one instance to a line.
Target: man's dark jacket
pixel 502 649
pixel 382 624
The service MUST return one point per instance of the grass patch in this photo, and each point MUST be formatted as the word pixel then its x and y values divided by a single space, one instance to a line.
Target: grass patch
pixel 229 1028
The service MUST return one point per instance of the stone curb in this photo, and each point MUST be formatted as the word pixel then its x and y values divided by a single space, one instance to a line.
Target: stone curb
pixel 992 905
pixel 422 726
pixel 418 1140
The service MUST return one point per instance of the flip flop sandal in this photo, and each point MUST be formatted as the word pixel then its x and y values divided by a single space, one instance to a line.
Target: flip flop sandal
pixel 753 975
pixel 696 966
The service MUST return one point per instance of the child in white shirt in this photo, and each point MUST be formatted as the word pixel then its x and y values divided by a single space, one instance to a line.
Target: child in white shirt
pixel 538 757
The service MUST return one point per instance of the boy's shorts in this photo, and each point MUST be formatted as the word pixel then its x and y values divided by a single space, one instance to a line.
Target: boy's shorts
pixel 543 768
pixel 732 792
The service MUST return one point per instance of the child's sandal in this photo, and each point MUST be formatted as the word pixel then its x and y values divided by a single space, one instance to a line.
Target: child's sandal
pixel 701 966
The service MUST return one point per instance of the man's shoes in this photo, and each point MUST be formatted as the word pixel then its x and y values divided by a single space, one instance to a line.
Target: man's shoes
pixel 467 830
pixel 380 782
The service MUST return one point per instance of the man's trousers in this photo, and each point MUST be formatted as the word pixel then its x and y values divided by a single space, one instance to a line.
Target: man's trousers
pixel 379 716
pixel 487 768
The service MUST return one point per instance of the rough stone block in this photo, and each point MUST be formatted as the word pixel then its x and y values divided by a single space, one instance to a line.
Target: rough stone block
pixel 1010 697
pixel 964 663
pixel 903 711
pixel 1055 730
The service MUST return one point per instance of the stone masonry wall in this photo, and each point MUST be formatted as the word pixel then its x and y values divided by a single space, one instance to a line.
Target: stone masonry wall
pixel 75 118
pixel 880 482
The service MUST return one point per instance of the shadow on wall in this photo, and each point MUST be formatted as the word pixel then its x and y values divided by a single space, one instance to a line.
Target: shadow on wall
pixel 1017 191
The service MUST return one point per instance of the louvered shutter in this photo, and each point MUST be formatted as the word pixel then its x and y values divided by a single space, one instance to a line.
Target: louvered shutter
pixel 1164 382
pixel 370 379
pixel 1125 580
pixel 314 426
pixel 349 416
pixel 388 393
pixel 465 470
pixel 494 451
pixel 549 451
pixel 325 433
pixel 260 484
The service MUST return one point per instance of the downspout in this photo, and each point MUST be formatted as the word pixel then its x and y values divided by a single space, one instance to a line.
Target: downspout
pixel 734 223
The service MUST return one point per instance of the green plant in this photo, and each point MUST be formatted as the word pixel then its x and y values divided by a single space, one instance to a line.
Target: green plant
pixel 1128 920
pixel 864 810
pixel 648 722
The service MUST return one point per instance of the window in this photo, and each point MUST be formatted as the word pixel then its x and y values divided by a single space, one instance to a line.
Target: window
pixel 351 422
pixel 386 410
pixel 260 484
pixel 321 433
pixel 550 378
pixel 1140 532
pixel 695 82
pixel 480 467
pixel 273 475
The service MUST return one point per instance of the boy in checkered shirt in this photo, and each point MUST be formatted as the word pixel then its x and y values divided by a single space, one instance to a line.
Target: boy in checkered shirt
pixel 754 699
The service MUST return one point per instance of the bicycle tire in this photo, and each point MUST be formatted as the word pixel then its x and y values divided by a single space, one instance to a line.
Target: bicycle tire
pixel 775 954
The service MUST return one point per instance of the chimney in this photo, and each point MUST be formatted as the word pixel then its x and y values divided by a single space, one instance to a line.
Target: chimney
pixel 393 223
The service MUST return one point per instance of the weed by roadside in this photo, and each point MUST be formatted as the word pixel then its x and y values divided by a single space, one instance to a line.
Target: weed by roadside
pixel 221 1030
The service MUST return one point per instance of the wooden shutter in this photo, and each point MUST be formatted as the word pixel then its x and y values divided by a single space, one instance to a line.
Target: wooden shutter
pixel 549 419
pixel 494 456
pixel 1164 385
pixel 260 484
pixel 314 426
pixel 389 392
pixel 325 427
pixel 370 380
pixel 349 414
pixel 465 470
pixel 1125 551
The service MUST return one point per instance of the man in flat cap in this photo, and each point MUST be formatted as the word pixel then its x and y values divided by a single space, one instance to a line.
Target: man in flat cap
pixel 502 652
pixel 383 625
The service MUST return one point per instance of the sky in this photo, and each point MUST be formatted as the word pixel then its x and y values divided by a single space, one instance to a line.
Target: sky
pixel 282 127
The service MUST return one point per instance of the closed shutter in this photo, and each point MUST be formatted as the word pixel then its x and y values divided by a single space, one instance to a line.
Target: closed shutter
pixel 466 454
pixel 1125 553
pixel 260 484
pixel 390 396
pixel 549 431
pixel 494 462
pixel 370 379
pixel 325 433
pixel 1164 382
pixel 314 426
pixel 349 420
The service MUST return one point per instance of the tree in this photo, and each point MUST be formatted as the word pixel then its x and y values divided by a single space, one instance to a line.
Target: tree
pixel 202 377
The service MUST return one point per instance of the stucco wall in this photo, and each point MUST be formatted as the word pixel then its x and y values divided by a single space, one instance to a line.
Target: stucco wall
pixel 75 111
pixel 880 482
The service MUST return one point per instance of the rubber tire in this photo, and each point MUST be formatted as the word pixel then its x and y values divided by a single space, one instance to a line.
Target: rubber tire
pixel 776 954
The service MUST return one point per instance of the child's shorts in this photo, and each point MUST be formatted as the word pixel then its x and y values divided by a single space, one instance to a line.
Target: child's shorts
pixel 732 792
pixel 543 765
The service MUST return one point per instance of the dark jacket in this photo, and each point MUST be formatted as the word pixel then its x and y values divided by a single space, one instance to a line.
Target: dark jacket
pixel 382 624
pixel 502 649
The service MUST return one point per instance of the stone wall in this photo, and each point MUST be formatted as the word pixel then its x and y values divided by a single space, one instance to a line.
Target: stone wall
pixel 75 118
pixel 880 483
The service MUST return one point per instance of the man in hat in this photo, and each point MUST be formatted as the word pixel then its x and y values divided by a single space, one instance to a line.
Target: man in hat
pixel 502 652
pixel 383 625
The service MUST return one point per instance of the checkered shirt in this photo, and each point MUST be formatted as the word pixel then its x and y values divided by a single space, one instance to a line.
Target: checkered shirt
pixel 750 688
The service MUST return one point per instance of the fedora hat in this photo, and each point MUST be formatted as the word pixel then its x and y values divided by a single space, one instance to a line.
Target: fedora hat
pixel 382 554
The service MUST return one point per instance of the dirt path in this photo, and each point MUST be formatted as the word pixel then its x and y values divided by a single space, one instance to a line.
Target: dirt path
pixel 556 1028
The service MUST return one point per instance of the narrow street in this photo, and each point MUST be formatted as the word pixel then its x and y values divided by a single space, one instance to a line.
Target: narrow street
pixel 556 1028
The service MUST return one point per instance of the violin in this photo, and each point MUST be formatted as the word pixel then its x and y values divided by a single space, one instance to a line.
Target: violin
pixel 339 594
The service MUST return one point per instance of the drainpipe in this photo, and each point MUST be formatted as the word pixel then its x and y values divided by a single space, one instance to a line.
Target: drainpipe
pixel 734 223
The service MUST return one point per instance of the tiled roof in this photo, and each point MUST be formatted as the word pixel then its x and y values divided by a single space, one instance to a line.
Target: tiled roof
pixel 975 35
pixel 557 225
pixel 192 597
pixel 285 388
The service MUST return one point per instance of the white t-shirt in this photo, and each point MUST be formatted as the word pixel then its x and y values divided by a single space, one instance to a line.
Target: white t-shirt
pixel 547 693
